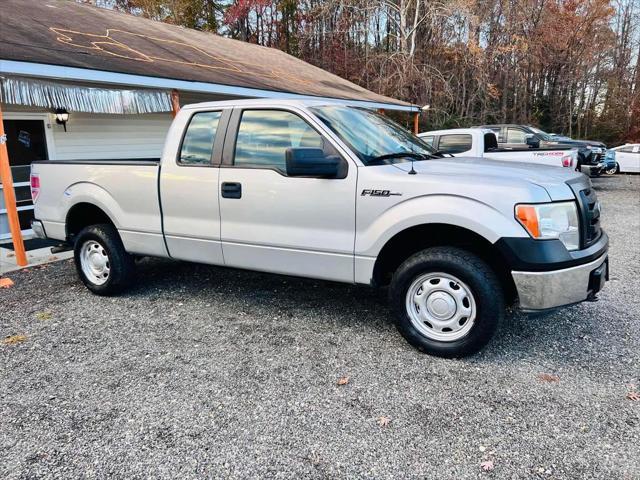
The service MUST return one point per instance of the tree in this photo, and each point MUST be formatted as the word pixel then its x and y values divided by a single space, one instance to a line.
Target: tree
pixel 569 66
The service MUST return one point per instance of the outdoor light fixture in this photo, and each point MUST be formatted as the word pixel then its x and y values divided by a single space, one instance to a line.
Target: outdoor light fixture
pixel 425 108
pixel 61 117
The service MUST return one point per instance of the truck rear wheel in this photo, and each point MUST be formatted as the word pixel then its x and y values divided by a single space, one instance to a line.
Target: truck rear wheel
pixel 447 301
pixel 102 263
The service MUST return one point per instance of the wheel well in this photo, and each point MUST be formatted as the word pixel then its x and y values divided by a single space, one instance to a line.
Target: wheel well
pixel 414 239
pixel 82 215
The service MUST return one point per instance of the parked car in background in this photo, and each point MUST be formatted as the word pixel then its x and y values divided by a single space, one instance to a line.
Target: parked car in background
pixel 590 153
pixel 327 191
pixel 482 143
pixel 610 164
pixel 627 158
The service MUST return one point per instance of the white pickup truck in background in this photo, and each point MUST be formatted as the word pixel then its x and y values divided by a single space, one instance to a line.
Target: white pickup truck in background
pixel 482 143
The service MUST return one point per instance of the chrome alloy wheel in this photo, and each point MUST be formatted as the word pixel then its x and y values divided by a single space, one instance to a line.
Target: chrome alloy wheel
pixel 441 307
pixel 94 262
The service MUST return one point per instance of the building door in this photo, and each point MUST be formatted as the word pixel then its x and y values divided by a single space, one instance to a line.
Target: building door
pixel 26 142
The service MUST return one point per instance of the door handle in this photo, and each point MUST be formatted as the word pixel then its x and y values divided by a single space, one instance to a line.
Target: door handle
pixel 231 190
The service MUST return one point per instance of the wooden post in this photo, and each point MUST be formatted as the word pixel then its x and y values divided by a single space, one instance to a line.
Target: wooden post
pixel 416 123
pixel 10 198
pixel 175 102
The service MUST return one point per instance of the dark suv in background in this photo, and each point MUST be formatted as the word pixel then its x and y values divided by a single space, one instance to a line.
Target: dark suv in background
pixel 590 153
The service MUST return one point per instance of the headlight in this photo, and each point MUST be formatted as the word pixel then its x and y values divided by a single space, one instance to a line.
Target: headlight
pixel 551 220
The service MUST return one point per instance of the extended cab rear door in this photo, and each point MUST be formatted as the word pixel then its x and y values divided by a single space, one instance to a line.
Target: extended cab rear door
pixel 276 223
pixel 189 186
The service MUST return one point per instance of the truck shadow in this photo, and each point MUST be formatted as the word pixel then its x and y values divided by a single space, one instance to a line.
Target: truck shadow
pixel 183 281
pixel 345 306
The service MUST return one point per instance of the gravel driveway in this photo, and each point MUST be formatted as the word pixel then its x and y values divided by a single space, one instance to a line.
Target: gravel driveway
pixel 208 372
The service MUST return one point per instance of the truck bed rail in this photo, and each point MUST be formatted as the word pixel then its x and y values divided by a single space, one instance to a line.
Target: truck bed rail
pixel 123 161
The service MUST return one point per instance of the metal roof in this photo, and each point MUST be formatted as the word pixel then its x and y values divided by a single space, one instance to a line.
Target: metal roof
pixel 65 39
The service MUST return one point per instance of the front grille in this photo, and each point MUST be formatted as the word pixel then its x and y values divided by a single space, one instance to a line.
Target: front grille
pixel 589 216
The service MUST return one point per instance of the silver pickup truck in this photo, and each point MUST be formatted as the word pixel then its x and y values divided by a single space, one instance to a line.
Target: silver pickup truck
pixel 339 193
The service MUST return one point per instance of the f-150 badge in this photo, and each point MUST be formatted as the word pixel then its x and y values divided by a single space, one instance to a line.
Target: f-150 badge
pixel 378 193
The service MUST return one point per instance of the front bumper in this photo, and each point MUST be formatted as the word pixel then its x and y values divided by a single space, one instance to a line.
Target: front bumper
pixel 544 290
pixel 592 170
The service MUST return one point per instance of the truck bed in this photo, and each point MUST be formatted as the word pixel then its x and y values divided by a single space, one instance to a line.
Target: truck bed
pixel 125 189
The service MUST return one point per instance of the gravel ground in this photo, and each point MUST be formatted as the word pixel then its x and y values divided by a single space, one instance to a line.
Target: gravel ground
pixel 209 372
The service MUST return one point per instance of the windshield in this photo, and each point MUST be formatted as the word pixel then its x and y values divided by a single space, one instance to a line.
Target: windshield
pixel 370 135
pixel 544 135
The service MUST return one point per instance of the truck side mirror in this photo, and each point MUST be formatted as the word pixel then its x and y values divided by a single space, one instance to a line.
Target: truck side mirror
pixel 313 162
pixel 532 141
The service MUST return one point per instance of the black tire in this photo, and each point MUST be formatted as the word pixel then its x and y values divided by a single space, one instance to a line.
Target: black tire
pixel 121 265
pixel 479 278
pixel 613 171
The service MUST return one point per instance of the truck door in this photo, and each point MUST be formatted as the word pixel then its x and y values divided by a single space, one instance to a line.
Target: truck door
pixel 272 222
pixel 189 187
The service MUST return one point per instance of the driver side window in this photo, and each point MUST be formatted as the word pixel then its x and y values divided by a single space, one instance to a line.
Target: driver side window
pixel 265 135
pixel 516 135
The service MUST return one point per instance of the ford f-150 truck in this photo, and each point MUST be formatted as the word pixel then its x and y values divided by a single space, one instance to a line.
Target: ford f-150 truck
pixel 483 143
pixel 335 192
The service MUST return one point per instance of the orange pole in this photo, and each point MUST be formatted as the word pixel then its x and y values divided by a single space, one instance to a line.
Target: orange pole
pixel 416 123
pixel 175 102
pixel 10 198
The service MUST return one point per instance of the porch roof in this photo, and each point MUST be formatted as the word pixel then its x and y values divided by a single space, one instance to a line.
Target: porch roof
pixel 67 40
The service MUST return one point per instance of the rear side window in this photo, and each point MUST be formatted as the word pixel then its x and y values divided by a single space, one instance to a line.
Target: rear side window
pixel 454 143
pixel 265 135
pixel 631 149
pixel 198 140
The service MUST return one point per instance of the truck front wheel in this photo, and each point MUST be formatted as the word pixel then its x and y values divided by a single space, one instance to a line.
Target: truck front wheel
pixel 102 263
pixel 447 301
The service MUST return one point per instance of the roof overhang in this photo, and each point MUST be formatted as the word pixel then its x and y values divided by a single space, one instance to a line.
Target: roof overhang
pixel 58 72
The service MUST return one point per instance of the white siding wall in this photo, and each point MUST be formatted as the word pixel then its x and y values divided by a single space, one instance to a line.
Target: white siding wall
pixel 98 136
pixel 92 136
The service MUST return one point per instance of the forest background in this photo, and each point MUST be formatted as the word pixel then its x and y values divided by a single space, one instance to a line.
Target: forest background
pixel 567 66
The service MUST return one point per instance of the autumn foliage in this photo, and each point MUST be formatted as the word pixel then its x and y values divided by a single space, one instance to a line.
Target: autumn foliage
pixel 569 66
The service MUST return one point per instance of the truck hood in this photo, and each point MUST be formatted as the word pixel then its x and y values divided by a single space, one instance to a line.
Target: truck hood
pixel 551 179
